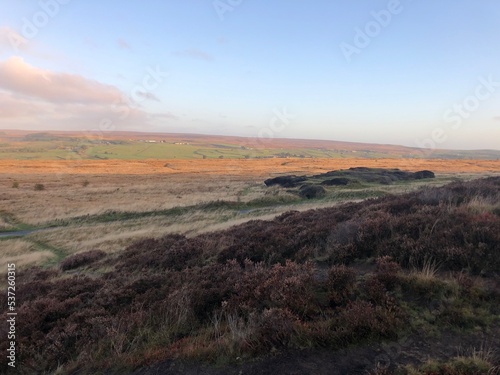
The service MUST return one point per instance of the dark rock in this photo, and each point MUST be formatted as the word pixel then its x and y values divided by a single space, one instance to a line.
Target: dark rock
pixel 339 181
pixel 285 181
pixel 347 176
pixel 423 174
pixel 398 174
pixel 312 191
pixel 361 169
pixel 386 180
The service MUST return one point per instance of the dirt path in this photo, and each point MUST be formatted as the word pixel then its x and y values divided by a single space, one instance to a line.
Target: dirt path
pixel 18 233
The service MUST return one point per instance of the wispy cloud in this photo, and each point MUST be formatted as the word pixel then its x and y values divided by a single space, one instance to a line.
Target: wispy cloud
pixel 164 116
pixel 147 95
pixel 194 53
pixel 496 118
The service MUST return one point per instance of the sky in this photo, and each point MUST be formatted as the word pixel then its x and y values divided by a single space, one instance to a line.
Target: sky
pixel 418 73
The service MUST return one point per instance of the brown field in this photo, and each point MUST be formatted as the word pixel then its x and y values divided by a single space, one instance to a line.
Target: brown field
pixel 250 167
pixel 76 189
pixel 80 194
pixel 162 184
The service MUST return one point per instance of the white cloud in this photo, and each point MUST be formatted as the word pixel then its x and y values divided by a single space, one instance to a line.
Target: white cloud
pixel 33 98
pixel 19 77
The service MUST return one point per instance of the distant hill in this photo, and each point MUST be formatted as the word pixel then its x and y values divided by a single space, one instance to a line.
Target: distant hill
pixel 43 137
pixel 17 144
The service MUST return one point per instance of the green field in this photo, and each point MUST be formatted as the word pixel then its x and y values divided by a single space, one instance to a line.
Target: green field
pixel 136 150
pixel 43 146
pixel 131 146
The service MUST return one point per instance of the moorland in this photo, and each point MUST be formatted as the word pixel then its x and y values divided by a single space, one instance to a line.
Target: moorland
pixel 189 262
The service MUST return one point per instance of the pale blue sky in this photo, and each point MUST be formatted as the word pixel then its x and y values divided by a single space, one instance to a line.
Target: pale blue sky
pixel 230 68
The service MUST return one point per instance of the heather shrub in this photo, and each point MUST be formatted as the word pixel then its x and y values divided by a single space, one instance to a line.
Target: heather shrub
pixel 38 274
pixel 465 281
pixel 374 229
pixel 81 259
pixel 78 286
pixel 340 284
pixel 435 196
pixel 402 205
pixel 173 251
pixel 344 233
pixel 270 243
pixel 387 272
pixel 290 287
pixel 375 291
pixel 362 320
pixel 275 328
pixel 182 255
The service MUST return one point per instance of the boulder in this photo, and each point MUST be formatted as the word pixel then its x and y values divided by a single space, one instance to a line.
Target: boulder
pixel 285 181
pixel 339 181
pixel 423 174
pixel 312 191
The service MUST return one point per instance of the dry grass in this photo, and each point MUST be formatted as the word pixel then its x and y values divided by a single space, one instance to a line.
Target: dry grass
pixel 22 253
pixel 429 269
pixel 80 188
pixel 65 197
pixel 235 167
pixel 16 247
pixel 480 205
pixel 115 236
pixel 4 225
pixel 484 353
pixel 149 185
pixel 472 361
pixel 25 260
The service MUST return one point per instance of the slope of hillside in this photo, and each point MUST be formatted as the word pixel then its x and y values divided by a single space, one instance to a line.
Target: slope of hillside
pixel 422 266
